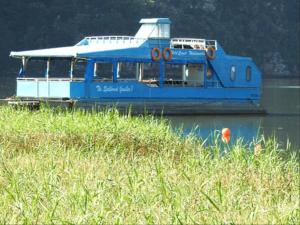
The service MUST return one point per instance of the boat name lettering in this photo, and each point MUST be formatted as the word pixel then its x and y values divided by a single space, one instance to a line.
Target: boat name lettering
pixel 126 88
pixel 187 53
pixel 110 89
pixel 120 89
pixel 180 53
pixel 195 53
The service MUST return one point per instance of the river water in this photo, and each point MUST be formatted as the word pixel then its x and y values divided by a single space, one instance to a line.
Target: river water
pixel 281 99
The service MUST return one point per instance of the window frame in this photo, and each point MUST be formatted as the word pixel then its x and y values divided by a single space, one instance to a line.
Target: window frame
pixel 248 73
pixel 233 73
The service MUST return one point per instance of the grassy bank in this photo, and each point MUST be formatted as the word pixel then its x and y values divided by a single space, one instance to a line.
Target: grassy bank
pixel 77 167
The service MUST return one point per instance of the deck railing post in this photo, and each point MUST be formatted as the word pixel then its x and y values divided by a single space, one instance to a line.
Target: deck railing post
pixel 47 69
pixel 89 70
pixel 184 74
pixel 119 69
pixel 22 71
pixel 137 71
pixel 95 69
pixel 115 71
pixel 205 74
pixel 161 73
pixel 72 69
pixel 141 75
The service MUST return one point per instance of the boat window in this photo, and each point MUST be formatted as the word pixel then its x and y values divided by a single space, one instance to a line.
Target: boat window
pixel 194 75
pixel 187 47
pixel 153 30
pixel 36 68
pixel 164 30
pixel 177 46
pixel 103 71
pixel 79 69
pixel 248 73
pixel 60 68
pixel 150 72
pixel 232 73
pixel 128 70
pixel 174 74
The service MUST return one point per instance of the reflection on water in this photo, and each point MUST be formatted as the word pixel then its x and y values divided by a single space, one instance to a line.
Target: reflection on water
pixel 281 99
pixel 208 126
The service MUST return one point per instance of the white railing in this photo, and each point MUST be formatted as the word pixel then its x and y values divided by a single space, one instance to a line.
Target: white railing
pixel 184 83
pixel 111 40
pixel 213 84
pixel 49 79
pixel 201 44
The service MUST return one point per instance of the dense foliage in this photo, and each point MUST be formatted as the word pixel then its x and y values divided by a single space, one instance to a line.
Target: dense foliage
pixel 266 30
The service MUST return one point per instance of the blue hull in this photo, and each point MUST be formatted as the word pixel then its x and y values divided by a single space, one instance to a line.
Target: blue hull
pixel 132 91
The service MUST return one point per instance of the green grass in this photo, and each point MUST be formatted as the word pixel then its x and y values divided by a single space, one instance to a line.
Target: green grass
pixel 88 167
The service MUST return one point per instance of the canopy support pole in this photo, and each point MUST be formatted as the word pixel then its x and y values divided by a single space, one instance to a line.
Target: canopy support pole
pixel 184 72
pixel 72 68
pixel 48 69
pixel 137 71
pixel 115 71
pixel 119 69
pixel 95 69
pixel 22 71
pixel 161 73
pixel 205 75
pixel 141 77
pixel 88 76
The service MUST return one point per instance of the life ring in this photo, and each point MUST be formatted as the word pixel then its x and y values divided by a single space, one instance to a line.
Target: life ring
pixel 167 54
pixel 210 53
pixel 155 54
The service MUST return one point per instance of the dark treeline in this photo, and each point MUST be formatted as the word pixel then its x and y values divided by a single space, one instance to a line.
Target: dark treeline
pixel 267 30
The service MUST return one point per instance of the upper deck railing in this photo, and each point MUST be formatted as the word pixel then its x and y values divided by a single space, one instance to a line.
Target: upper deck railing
pixel 193 43
pixel 111 40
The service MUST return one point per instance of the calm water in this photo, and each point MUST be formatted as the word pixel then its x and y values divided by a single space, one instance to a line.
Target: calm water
pixel 281 98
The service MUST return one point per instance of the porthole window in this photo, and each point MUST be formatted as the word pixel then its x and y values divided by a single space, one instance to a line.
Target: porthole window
pixel 248 73
pixel 232 73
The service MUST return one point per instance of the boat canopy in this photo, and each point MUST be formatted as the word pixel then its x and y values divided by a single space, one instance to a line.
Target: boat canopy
pixel 155 28
pixel 75 51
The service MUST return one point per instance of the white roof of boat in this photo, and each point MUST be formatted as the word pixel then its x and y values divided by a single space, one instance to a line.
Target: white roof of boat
pixel 73 51
pixel 67 52
pixel 156 21
pixel 101 43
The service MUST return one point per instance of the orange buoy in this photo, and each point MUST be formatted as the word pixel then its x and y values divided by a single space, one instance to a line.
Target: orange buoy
pixel 226 135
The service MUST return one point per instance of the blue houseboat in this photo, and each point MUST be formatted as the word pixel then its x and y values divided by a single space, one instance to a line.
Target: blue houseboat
pixel 175 75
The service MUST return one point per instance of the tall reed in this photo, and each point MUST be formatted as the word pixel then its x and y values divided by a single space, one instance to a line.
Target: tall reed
pixel 59 166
